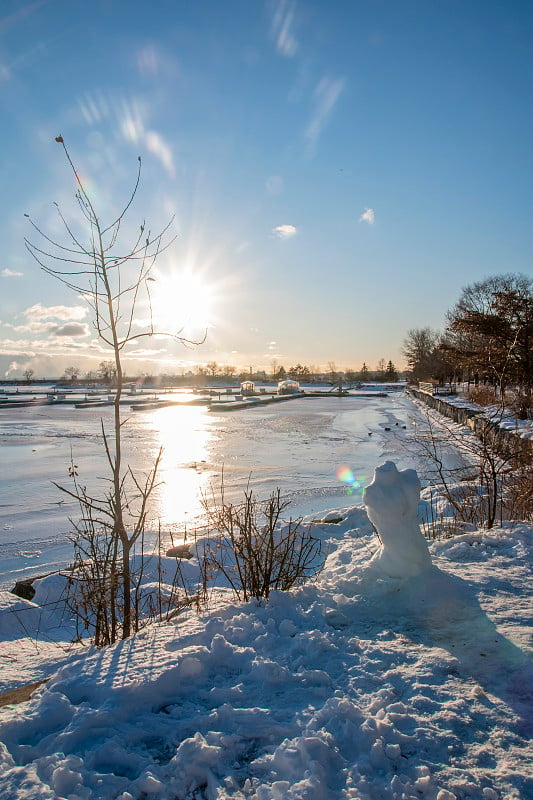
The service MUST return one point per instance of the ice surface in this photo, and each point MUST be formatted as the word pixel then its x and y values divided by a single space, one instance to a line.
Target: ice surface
pixel 297 446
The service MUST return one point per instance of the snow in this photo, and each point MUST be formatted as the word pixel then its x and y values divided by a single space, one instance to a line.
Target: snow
pixel 391 502
pixel 356 686
pixel 502 417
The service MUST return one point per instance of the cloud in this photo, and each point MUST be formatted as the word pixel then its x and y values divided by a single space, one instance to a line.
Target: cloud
pixel 48 319
pixel 284 231
pixel 64 313
pixel 282 24
pixel 326 96
pixel 94 108
pixel 368 216
pixel 71 329
pixel 13 367
pixel 132 116
pixel 157 145
pixel 10 273
pixel 134 130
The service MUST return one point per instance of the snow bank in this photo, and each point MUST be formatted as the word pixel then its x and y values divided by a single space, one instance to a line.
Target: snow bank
pixel 357 686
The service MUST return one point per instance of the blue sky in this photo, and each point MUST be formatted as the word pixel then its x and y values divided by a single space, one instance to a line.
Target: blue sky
pixel 338 171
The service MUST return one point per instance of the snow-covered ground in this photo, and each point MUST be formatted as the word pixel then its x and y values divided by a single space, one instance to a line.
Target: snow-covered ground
pixel 357 686
pixel 503 417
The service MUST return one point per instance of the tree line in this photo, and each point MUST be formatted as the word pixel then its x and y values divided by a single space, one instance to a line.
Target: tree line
pixel 384 372
pixel 487 339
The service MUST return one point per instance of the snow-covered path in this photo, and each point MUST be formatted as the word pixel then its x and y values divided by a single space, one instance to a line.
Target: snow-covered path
pixel 350 687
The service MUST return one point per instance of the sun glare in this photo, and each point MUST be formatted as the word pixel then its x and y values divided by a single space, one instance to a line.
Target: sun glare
pixel 183 301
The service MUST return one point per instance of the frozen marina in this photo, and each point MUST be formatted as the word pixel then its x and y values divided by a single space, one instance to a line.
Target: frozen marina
pixel 299 446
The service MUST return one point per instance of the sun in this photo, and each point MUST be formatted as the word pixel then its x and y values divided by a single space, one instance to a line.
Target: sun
pixel 182 300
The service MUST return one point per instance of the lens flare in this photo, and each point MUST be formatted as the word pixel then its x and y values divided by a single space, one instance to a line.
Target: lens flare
pixel 345 474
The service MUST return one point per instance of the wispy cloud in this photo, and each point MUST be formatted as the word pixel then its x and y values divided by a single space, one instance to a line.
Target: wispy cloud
pixel 284 231
pixel 10 273
pixel 94 107
pixel 159 147
pixel 133 124
pixel 134 130
pixel 368 216
pixel 282 29
pixel 326 96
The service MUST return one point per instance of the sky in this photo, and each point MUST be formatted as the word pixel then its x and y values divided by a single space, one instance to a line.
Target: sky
pixel 336 173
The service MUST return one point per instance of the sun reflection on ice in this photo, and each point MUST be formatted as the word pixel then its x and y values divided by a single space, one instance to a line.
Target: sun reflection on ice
pixel 184 433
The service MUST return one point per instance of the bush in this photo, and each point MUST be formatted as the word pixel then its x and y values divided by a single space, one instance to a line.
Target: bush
pixel 483 395
pixel 254 549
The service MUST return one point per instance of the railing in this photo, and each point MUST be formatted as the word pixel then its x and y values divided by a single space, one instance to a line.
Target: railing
pixel 443 391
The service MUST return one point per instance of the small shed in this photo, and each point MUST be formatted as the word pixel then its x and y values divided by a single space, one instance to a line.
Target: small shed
pixel 288 387
pixel 247 388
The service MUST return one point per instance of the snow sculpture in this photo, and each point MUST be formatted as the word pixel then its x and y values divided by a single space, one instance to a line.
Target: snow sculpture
pixel 391 502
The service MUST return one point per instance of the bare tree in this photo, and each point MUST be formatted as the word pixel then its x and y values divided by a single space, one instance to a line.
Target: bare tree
pixel 422 351
pixel 96 266
pixel 490 334
pixel 107 372
pixel 28 374
pixel 71 374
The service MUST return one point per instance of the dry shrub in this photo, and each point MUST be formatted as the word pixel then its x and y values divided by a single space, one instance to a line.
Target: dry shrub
pixel 519 494
pixel 254 549
pixel 482 395
pixel 521 404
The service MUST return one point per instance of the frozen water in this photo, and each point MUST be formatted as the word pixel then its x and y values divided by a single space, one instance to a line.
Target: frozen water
pixel 298 446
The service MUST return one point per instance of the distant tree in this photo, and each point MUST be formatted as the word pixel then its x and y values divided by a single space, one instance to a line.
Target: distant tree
pixel 229 370
pixel 380 370
pixel 332 373
pixel 28 374
pixel 90 376
pixel 421 351
pixel 350 375
pixel 281 374
pixel 107 372
pixel 71 374
pixel 298 372
pixel 391 375
pixel 364 373
pixel 212 368
pixel 313 372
